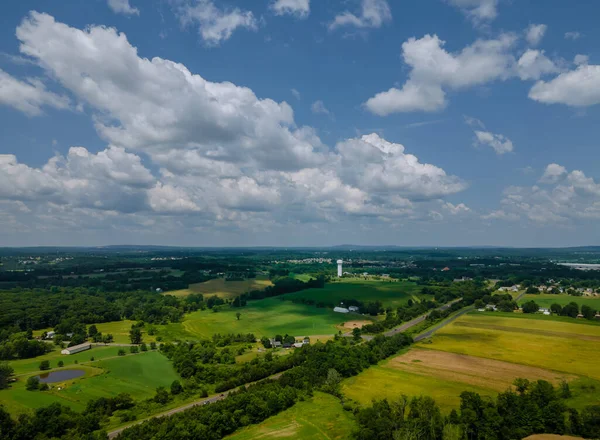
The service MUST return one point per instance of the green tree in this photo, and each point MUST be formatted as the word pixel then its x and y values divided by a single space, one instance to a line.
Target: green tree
pixel 135 335
pixel 530 307
pixel 556 309
pixel 356 332
pixel 121 352
pixel 6 373
pixel 588 312
pixel 107 339
pixel 266 342
pixel 134 349
pixel 92 330
pixel 153 345
pixel 44 365
pixel 143 347
pixel 332 383
pixel 161 396
pixel 571 309
pixel 33 383
pixel 237 315
pixel 61 364
pixel 176 387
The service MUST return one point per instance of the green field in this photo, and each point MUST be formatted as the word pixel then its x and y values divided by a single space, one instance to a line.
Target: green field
pixel 390 293
pixel 138 375
pixel 119 330
pixel 266 317
pixel 557 345
pixel 222 288
pixel 319 418
pixel 547 299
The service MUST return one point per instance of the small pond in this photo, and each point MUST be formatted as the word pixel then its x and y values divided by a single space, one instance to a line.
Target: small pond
pixel 60 376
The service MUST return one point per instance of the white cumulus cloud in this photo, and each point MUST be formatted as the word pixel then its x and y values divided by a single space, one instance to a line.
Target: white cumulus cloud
pixel 122 7
pixel 28 96
pixel 373 14
pixel 297 8
pixel 535 33
pixel 478 10
pixel 575 88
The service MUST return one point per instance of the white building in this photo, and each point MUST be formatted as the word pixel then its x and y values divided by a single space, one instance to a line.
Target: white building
pixel 77 348
pixel 339 263
pixel 340 310
pixel 50 335
pixel 353 308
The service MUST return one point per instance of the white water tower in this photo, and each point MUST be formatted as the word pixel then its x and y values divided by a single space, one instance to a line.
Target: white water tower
pixel 339 263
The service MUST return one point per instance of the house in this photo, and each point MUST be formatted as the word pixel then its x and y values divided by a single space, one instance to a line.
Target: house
pixel 306 341
pixel 76 348
pixel 340 310
pixel 544 310
pixel 286 345
pixel 385 275
pixel 69 335
pixel 353 308
pixel 275 343
pixel 159 290
pixel 50 335
pixel 547 313
pixel 298 345
pixel 580 316
pixel 491 307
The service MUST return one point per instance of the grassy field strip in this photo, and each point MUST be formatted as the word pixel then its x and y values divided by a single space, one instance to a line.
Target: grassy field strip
pixel 547 299
pixel 480 337
pixel 222 288
pixel 319 418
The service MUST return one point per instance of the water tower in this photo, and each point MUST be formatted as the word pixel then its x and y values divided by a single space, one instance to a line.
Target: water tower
pixel 339 263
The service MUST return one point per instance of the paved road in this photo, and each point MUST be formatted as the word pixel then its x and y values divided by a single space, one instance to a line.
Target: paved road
pixel 206 401
pixel 409 324
pixel 444 323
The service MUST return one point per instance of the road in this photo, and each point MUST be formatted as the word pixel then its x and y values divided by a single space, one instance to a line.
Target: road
pixel 409 324
pixel 206 401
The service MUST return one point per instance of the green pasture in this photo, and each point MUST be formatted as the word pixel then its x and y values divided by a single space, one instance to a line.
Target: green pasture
pixel 391 293
pixel 266 317
pixel 223 288
pixel 119 330
pixel 547 299
pixel 319 418
pixel 569 347
pixel 138 375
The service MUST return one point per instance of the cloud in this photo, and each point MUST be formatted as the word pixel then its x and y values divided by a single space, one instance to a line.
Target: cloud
pixel 553 173
pixel 500 215
pixel 297 8
pixel 575 88
pixel 500 143
pixel 572 35
pixel 318 108
pixel 221 156
pixel 533 64
pixel 296 93
pixel 581 59
pixel 373 14
pixel 478 11
pixel 28 96
pixel 122 7
pixel 434 69
pixel 214 25
pixel 535 33
pixel 461 208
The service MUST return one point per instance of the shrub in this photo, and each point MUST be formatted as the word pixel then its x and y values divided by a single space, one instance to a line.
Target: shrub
pixel 44 365
pixel 33 383
pixel 61 364
pixel 134 349
pixel 121 352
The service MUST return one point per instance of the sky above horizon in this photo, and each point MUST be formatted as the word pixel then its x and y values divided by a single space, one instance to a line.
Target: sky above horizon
pixel 299 122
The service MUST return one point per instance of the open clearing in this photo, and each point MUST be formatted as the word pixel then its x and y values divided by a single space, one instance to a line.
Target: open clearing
pixel 355 324
pixel 138 375
pixel 319 418
pixel 547 299
pixel 561 346
pixel 222 288
pixel 267 317
pixel 390 293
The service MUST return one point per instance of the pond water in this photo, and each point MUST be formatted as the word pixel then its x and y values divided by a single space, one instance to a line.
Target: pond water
pixel 60 376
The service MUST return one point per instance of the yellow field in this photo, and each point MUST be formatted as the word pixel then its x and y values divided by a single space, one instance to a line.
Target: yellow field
pixel 561 346
pixel 223 289
pixel 441 375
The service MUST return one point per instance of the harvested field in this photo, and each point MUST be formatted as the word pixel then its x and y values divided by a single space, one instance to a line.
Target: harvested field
pixel 355 324
pixel 480 372
pixel 223 288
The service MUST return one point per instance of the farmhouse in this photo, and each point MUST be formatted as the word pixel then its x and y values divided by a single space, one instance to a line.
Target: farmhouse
pixel 340 310
pixel 76 348
pixel 50 335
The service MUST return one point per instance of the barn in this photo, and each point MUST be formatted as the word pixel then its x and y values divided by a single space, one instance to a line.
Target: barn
pixel 76 348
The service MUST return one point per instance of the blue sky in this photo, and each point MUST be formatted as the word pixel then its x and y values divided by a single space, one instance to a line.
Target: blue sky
pixel 299 122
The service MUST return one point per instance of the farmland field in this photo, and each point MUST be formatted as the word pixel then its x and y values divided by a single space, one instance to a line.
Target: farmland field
pixel 119 330
pixel 138 375
pixel 222 288
pixel 319 418
pixel 266 317
pixel 390 293
pixel 547 299
pixel 442 376
pixel 561 346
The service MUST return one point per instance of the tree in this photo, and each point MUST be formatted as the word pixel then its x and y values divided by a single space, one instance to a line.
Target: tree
pixel 107 339
pixel 521 385
pixel 356 332
pixel 135 335
pixel 565 391
pixel 61 364
pixel 237 315
pixel 556 309
pixel 176 388
pixel 152 345
pixel 161 396
pixel 530 307
pixel 33 383
pixel 332 383
pixel 134 349
pixel 266 342
pixel 121 352
pixel 44 365
pixel 144 347
pixel 92 330
pixel 532 290
pixel 571 309
pixel 588 312
pixel 6 373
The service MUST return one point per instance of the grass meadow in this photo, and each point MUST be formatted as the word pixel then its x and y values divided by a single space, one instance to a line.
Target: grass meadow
pixel 107 376
pixel 390 293
pixel 319 418
pixel 222 288
pixel 266 317
pixel 569 347
pixel 547 299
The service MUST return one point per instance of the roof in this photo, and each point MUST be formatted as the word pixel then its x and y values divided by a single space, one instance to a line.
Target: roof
pixel 76 347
